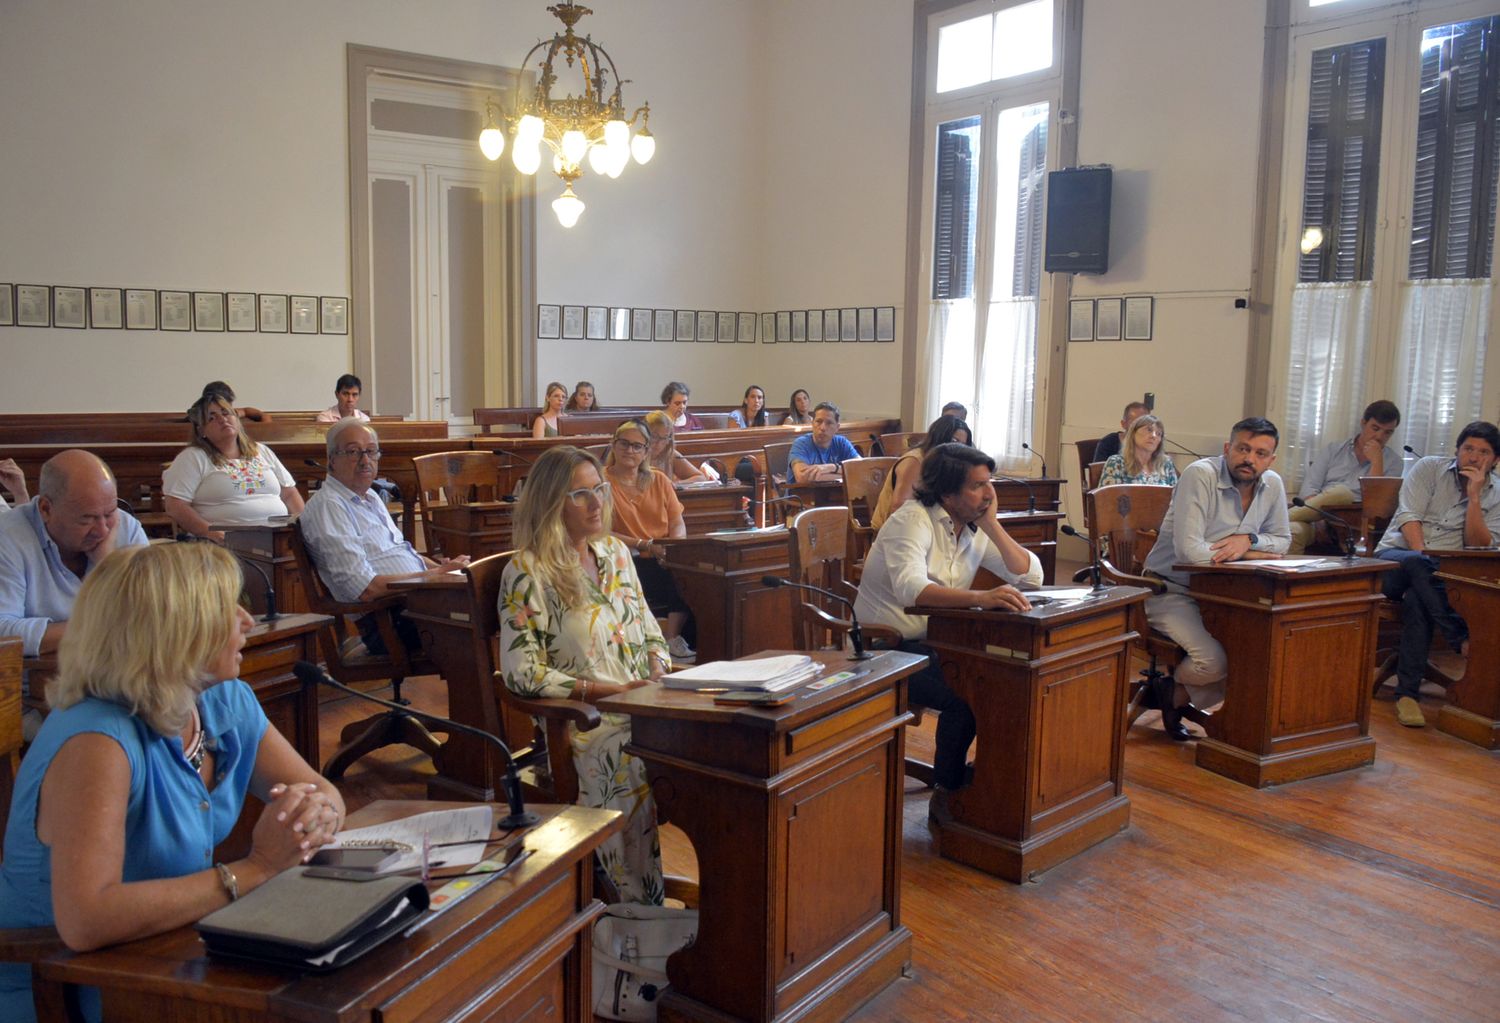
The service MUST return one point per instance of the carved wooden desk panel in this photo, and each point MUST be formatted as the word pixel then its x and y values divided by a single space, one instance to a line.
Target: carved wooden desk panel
pixel 719 578
pixel 795 813
pixel 1301 649
pixel 1473 709
pixel 1048 691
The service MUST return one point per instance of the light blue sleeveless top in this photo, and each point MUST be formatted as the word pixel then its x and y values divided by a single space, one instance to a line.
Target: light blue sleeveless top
pixel 172 820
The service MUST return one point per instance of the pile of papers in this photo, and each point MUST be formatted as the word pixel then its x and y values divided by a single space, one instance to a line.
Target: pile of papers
pixel 766 674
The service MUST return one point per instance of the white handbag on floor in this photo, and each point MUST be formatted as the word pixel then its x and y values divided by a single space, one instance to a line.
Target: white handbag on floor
pixel 631 946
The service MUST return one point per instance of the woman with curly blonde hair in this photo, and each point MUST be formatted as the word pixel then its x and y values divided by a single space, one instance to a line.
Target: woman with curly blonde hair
pixel 575 625
pixel 143 765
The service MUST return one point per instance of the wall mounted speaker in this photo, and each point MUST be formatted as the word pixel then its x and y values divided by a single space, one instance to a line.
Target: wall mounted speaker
pixel 1078 220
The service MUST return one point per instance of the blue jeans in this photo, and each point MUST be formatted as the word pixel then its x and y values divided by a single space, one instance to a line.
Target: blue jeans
pixel 1424 607
pixel 955 727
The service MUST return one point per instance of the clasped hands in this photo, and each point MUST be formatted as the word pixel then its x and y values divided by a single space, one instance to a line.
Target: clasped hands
pixel 300 818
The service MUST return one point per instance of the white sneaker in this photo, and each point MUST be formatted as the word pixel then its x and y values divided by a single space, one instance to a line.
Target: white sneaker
pixel 680 651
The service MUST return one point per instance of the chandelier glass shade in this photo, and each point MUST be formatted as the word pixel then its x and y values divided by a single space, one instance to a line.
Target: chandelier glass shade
pixel 589 130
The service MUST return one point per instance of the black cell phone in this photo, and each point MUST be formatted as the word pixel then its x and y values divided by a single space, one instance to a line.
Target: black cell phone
pixel 370 859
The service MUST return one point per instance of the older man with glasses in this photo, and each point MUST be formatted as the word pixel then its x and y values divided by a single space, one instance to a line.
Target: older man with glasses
pixel 355 543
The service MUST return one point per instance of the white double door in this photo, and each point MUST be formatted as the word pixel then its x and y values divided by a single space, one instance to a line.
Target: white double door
pixel 436 207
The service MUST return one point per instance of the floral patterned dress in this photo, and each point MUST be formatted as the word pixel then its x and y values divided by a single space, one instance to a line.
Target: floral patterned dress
pixel 1115 472
pixel 546 649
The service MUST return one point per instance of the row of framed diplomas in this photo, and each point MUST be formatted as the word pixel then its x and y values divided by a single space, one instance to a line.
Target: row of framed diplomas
pixel 58 305
pixel 790 326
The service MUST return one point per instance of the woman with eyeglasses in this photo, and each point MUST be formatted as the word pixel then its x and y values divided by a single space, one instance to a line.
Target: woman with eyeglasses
pixel 646 509
pixel 575 625
pixel 224 477
pixel 1142 457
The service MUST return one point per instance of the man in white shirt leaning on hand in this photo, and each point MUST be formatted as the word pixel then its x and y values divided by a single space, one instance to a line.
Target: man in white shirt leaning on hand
pixel 1231 507
pixel 928 552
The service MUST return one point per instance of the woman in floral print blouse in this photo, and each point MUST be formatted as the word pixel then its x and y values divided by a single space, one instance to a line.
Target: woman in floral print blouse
pixel 574 624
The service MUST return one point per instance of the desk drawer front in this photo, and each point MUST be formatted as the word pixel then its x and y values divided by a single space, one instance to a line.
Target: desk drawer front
pixel 809 739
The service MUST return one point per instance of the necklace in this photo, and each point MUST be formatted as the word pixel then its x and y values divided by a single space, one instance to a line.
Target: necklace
pixel 195 751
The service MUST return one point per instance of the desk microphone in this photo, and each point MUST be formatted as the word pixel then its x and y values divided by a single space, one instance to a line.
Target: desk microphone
pixel 1032 450
pixel 1185 451
pixel 788 499
pixel 1332 519
pixel 1096 570
pixel 855 636
pixel 271 614
pixel 508 453
pixel 1410 450
pixel 1030 494
pixel 311 675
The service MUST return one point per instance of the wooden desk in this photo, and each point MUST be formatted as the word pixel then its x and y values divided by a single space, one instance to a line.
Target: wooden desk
pixel 467 765
pixel 1014 495
pixel 268 548
pixel 795 813
pixel 817 493
pixel 1301 648
pixel 719 577
pixel 1037 532
pixel 478 529
pixel 1473 709
pixel 1048 690
pixel 517 948
pixel 706 509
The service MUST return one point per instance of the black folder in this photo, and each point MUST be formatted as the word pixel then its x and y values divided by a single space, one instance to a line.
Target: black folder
pixel 312 924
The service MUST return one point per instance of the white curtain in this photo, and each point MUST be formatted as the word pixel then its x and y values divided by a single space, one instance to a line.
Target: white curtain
pixel 947 374
pixel 1328 369
pixel 1002 413
pixel 1439 381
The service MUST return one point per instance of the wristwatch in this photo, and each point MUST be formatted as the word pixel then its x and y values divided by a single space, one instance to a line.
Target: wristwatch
pixel 1254 539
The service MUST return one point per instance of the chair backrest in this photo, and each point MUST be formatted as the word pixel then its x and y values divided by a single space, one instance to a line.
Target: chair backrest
pixel 897 444
pixel 484 613
pixel 397 663
pixel 320 599
pixel 1085 455
pixel 818 546
pixel 776 458
pixel 1095 472
pixel 863 478
pixel 1127 519
pixel 454 477
pixel 1379 496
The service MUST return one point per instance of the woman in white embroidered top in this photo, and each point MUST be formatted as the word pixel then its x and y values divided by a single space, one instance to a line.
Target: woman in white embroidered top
pixel 574 624
pixel 1142 457
pixel 224 477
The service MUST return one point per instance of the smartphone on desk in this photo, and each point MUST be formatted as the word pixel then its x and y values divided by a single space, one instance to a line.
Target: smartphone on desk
pixel 365 861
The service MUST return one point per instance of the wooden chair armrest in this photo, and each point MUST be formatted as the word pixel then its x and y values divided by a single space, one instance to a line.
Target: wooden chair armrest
pixel 1120 578
pixel 584 715
pixel 683 889
pixel 881 637
pixel 725 476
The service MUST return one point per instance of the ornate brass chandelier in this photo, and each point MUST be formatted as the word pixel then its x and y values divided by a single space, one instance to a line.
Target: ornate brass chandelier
pixel 590 127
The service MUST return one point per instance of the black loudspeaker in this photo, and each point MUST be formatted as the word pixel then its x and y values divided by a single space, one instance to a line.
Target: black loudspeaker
pixel 1078 220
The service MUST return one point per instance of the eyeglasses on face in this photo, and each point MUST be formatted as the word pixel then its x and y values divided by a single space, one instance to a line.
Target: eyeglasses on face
pixel 580 497
pixel 220 415
pixel 631 445
pixel 361 454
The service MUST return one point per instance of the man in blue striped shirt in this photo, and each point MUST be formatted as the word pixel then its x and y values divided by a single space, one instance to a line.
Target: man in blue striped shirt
pixel 1446 504
pixel 354 541
pixel 1333 477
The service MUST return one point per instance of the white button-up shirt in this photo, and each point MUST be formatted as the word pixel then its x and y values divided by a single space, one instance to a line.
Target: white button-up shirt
pixel 917 548
pixel 1206 508
pixel 353 539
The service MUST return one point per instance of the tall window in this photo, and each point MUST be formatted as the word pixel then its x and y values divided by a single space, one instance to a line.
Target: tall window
pixel 1390 281
pixel 992 92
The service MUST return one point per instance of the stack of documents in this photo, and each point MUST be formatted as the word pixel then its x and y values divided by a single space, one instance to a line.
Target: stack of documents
pixel 767 674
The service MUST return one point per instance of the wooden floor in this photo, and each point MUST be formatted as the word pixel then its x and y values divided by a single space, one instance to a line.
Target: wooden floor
pixel 1369 895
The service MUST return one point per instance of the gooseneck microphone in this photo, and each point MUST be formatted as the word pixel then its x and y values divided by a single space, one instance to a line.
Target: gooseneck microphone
pixel 1184 450
pixel 1030 494
pixel 856 638
pixel 1334 520
pixel 271 614
pixel 1410 450
pixel 519 817
pixel 1032 450
pixel 1096 570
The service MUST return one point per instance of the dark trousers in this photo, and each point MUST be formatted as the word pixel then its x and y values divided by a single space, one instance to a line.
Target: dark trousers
pixel 1424 607
pixel 406 631
pixel 955 727
pixel 662 594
